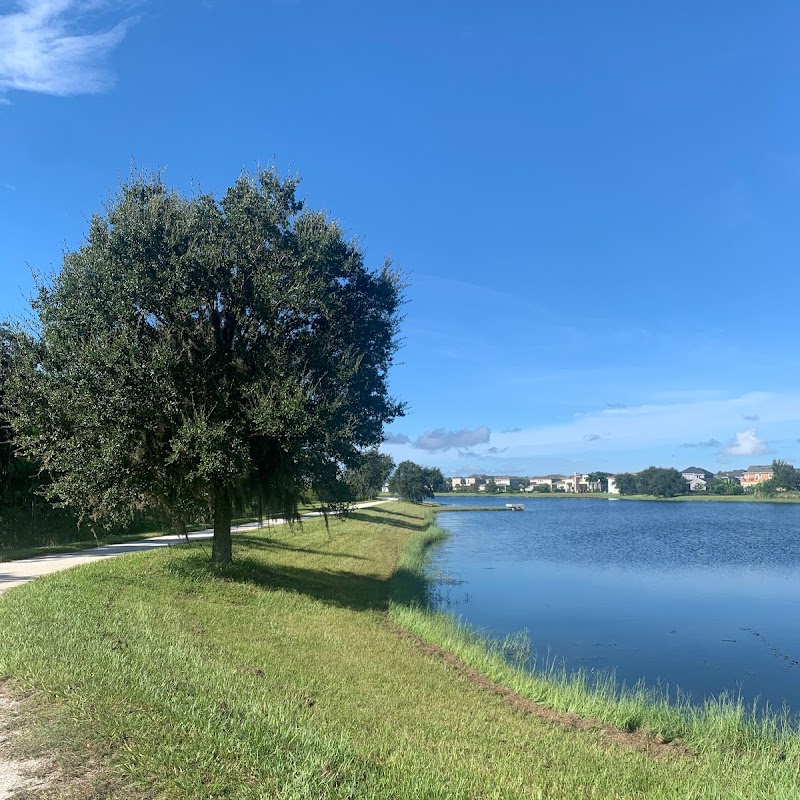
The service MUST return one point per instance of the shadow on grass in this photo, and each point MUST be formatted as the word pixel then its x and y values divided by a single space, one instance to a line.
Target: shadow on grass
pixel 380 518
pixel 394 513
pixel 343 589
pixel 265 543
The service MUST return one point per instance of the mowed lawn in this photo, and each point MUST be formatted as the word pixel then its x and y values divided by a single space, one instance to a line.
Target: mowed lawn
pixel 286 678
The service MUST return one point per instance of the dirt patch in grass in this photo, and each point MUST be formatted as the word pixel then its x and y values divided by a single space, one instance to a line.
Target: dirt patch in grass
pixel 632 740
pixel 19 776
pixel 32 767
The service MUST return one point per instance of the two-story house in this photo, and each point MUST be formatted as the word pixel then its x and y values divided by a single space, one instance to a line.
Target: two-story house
pixel 755 475
pixel 697 478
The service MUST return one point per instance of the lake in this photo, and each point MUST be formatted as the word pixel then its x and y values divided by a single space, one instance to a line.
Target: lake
pixel 703 596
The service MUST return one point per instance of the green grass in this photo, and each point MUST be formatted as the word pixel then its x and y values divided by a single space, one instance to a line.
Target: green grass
pixel 286 676
pixel 714 498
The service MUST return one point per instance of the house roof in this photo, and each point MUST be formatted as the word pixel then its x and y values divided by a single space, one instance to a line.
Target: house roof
pixel 697 469
pixel 760 469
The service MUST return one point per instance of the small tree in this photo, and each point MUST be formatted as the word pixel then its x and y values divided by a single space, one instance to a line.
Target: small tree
pixel 784 476
pixel 367 479
pixel 600 479
pixel 661 482
pixel 725 486
pixel 626 483
pixel 435 480
pixel 195 352
pixel 410 482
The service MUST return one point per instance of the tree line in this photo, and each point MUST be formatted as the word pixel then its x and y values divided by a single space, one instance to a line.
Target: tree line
pixel 668 482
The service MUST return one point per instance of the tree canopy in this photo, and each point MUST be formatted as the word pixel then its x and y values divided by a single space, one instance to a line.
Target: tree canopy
pixel 367 479
pixel 414 483
pixel 194 351
pixel 725 486
pixel 661 482
pixel 657 481
pixel 599 479
pixel 626 483
pixel 785 477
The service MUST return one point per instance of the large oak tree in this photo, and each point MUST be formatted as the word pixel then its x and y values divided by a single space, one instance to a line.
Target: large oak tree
pixel 195 351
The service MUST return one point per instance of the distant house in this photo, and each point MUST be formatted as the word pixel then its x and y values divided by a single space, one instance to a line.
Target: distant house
pixel 697 478
pixel 576 483
pixel 467 484
pixel 543 480
pixel 730 476
pixel 612 485
pixel 755 475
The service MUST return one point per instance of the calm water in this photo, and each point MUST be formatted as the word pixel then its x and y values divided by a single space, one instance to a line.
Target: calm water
pixel 701 596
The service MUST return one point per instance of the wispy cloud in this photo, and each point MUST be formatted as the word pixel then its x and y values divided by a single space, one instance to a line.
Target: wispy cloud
pixel 747 443
pixel 47 46
pixel 10 187
pixel 616 405
pixel 709 443
pixel 440 439
pixel 592 437
pixel 396 438
pixel 751 417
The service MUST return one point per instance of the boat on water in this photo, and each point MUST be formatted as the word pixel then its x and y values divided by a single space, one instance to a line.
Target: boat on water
pixel 515 506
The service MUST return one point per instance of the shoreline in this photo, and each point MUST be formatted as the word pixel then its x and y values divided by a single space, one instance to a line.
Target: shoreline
pixel 605 699
pixel 683 498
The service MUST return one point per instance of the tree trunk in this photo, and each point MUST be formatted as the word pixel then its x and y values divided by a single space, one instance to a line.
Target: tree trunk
pixel 221 546
pixel 180 528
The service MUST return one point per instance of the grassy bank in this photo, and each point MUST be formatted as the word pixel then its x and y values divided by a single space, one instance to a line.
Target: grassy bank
pixel 290 676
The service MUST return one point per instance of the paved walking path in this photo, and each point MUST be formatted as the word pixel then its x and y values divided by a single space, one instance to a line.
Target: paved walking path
pixel 15 573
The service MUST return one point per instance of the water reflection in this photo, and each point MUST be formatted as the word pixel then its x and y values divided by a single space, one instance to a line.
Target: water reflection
pixel 703 596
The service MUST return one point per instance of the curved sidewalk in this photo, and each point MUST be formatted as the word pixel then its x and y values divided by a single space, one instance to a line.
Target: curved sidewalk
pixel 15 573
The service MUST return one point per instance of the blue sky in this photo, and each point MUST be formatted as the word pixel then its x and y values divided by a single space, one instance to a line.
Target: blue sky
pixel 595 204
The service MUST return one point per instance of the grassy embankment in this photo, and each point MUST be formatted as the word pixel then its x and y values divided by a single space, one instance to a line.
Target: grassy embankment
pixel 289 676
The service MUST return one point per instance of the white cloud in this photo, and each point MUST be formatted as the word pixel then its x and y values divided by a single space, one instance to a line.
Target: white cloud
pixel 44 47
pixel 747 443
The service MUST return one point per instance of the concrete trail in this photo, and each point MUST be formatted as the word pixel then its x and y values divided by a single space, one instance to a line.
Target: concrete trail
pixel 15 573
